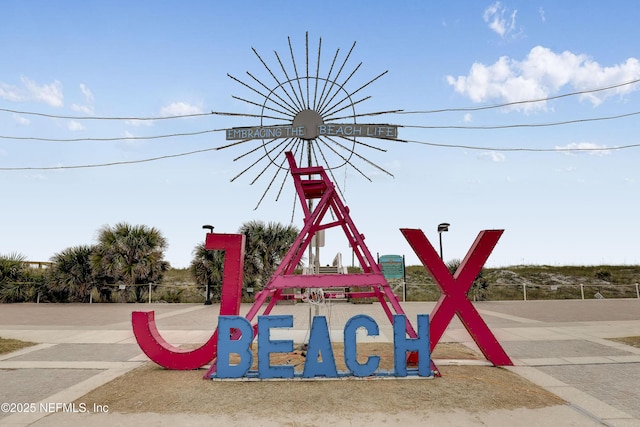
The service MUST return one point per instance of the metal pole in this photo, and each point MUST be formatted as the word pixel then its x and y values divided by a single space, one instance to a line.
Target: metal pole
pixel 149 292
pixel 404 280
pixel 524 291
pixel 312 270
pixel 208 300
pixel 440 236
pixel 582 290
pixel 637 292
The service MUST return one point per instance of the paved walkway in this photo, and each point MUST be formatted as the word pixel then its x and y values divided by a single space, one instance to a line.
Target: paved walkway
pixel 559 345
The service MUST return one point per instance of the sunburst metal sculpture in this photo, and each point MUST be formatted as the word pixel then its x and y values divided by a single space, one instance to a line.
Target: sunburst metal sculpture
pixel 309 111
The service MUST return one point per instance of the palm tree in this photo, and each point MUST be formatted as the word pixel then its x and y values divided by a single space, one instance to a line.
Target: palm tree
pixel 206 269
pixel 480 284
pixel 265 247
pixel 18 282
pixel 11 267
pixel 71 273
pixel 130 255
pixel 11 274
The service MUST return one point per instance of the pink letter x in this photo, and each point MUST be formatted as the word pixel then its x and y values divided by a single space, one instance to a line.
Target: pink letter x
pixel 454 291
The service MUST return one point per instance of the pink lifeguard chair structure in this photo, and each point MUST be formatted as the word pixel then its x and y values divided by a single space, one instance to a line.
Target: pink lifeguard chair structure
pixel 312 183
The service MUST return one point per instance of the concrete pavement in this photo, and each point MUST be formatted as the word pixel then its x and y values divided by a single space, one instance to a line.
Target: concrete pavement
pixel 559 345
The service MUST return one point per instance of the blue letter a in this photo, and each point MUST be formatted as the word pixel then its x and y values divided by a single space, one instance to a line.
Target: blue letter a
pixel 320 345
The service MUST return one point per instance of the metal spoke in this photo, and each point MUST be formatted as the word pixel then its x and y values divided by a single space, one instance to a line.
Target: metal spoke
pixel 266 190
pixel 376 113
pixel 351 104
pixel 315 93
pixel 249 152
pixel 261 106
pixel 361 87
pixel 253 164
pixel 285 105
pixel 333 178
pixel 307 57
pixel 270 159
pixel 295 70
pixel 269 70
pixel 361 157
pixel 326 105
pixel 298 101
pixel 339 71
pixel 324 87
pixel 346 160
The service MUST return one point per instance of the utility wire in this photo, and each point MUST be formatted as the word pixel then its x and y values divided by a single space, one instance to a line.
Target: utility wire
pixel 540 150
pixel 181 116
pixel 252 115
pixel 174 135
pixel 219 113
pixel 99 165
pixel 431 144
pixel 531 101
pixel 528 125
pixel 122 138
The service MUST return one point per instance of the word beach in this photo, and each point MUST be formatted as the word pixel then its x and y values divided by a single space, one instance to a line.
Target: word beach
pixel 236 334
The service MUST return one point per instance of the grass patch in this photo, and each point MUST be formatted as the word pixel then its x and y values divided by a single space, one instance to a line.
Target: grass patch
pixel 151 388
pixel 8 345
pixel 632 341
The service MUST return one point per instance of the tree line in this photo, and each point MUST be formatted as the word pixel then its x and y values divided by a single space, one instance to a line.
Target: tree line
pixel 127 260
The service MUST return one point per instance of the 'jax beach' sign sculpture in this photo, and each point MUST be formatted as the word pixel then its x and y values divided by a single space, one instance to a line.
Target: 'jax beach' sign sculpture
pixel 369 284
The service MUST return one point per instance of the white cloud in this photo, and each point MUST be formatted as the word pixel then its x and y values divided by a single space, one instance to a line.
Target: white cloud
pixel 494 15
pixel 10 93
pixel 542 74
pixel 467 118
pixel 82 108
pixel 131 141
pixel 21 120
pixel 48 93
pixel 542 16
pixel 87 93
pixel 88 106
pixel 74 126
pixel 494 156
pixel 584 147
pixel 139 122
pixel 179 109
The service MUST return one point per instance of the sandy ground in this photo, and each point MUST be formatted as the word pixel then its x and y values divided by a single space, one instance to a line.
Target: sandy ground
pixel 152 389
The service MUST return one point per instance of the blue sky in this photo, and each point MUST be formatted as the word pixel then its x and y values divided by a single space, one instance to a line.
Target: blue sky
pixel 573 202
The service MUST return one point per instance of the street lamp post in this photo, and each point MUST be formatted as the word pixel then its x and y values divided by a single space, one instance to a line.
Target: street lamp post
pixel 208 300
pixel 442 227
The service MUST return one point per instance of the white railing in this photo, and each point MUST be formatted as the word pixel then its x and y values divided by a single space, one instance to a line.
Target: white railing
pixel 536 292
